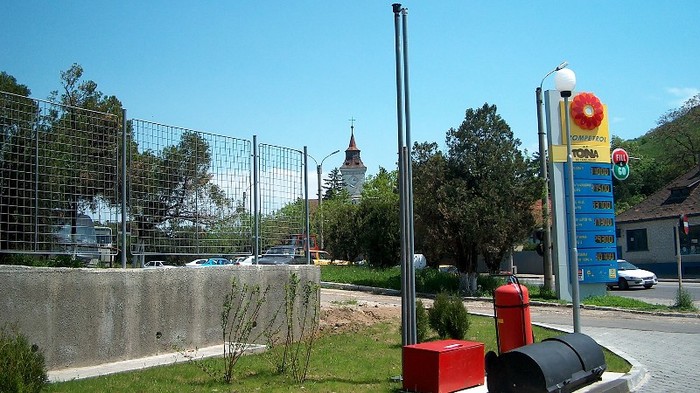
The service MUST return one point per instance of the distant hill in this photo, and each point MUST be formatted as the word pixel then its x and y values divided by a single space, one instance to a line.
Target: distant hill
pixel 660 155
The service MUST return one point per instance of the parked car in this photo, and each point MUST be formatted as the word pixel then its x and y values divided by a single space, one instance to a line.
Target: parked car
pixel 451 269
pixel 214 262
pixel 282 255
pixel 156 265
pixel 249 260
pixel 629 275
pixel 196 262
pixel 320 257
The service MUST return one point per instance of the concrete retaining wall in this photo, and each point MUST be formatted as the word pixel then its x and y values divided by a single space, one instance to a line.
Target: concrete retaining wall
pixel 83 317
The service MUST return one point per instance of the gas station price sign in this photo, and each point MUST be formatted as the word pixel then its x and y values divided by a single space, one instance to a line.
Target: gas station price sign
pixel 595 222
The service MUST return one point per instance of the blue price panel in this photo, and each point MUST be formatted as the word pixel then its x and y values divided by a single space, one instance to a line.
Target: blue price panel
pixel 595 205
pixel 597 255
pixel 592 171
pixel 583 187
pixel 596 239
pixel 597 273
pixel 595 222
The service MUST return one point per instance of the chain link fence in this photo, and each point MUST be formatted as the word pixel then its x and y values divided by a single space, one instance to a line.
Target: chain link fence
pixel 189 193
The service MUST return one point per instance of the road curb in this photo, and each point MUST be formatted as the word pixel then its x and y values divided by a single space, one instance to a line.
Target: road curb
pixel 395 292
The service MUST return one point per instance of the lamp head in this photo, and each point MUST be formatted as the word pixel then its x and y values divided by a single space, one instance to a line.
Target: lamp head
pixel 565 81
pixel 562 65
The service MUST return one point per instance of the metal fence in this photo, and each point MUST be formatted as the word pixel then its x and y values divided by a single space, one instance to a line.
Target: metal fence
pixel 188 193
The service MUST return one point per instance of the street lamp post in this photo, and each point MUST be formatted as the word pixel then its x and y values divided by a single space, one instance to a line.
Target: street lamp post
pixel 547 233
pixel 565 81
pixel 319 169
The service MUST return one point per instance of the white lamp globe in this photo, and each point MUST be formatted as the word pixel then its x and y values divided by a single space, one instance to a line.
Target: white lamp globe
pixel 564 80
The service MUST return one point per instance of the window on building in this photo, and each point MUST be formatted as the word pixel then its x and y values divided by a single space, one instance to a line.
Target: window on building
pixel 690 243
pixel 637 240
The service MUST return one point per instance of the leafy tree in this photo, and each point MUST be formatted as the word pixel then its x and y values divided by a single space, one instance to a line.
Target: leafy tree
pixel 678 134
pixel 18 114
pixel 340 234
pixel 378 220
pixel 174 190
pixel 480 193
pixel 334 184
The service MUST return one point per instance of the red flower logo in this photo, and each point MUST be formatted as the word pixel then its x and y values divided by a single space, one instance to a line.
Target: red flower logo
pixel 587 111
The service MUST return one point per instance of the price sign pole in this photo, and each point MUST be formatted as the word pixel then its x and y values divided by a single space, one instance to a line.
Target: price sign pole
pixel 682 222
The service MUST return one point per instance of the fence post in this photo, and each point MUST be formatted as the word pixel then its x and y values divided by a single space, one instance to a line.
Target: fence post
pixel 123 196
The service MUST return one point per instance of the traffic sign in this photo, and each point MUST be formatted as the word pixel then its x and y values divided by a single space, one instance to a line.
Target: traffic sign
pixel 621 172
pixel 684 223
pixel 620 156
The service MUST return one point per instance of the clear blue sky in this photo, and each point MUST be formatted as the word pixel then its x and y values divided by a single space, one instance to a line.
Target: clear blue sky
pixel 295 72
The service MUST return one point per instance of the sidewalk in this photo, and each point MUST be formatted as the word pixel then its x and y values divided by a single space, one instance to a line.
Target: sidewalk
pixel 70 374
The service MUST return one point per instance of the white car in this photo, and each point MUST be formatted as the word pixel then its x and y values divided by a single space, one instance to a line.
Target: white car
pixel 629 275
pixel 196 262
pixel 156 265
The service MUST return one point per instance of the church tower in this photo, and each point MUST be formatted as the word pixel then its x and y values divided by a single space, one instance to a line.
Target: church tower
pixel 353 170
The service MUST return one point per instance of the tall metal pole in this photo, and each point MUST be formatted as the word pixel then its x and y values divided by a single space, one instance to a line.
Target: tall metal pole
pixel 408 191
pixel 547 232
pixel 124 150
pixel 320 212
pixel 405 337
pixel 679 259
pixel 256 208
pixel 307 228
pixel 573 250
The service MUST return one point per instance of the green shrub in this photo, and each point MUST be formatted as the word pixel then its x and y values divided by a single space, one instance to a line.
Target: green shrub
pixel 434 281
pixel 22 364
pixel 488 284
pixel 449 317
pixel 422 323
pixel 684 300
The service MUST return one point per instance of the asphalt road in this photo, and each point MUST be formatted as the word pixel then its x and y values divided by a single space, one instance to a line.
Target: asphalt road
pixel 662 293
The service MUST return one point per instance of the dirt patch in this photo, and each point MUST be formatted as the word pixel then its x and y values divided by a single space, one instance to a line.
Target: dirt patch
pixel 344 318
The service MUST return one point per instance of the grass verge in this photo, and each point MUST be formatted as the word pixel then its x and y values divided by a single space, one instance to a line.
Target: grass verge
pixel 361 360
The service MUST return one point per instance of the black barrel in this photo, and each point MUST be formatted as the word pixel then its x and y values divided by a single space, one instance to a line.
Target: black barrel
pixel 559 364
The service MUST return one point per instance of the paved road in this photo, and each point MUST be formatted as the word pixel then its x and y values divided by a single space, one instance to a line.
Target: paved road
pixel 666 346
pixel 662 293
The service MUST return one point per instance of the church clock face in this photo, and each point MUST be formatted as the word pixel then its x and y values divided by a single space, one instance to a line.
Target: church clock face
pixel 353 180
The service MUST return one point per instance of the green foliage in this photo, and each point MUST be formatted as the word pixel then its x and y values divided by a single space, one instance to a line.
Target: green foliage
pixel 334 185
pixel 434 281
pixel 660 155
pixel 22 367
pixel 684 300
pixel 422 322
pixel 487 284
pixel 302 301
pixel 340 234
pixel 239 317
pixel 449 317
pixel 475 199
pixel 378 220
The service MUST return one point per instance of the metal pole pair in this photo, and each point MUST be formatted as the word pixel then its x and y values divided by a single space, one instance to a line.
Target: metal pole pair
pixel 408 291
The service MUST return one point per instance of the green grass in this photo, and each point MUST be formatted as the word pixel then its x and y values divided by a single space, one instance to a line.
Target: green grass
pixel 363 361
pixel 433 281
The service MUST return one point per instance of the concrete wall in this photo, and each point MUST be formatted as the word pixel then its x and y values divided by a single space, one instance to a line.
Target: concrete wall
pixel 83 317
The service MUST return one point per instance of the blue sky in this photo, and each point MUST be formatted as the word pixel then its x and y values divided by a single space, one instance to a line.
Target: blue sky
pixel 295 72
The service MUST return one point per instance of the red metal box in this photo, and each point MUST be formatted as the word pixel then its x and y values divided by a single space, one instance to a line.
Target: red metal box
pixel 443 366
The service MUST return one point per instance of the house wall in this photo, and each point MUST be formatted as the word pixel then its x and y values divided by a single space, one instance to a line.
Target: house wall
pixel 660 257
pixel 83 317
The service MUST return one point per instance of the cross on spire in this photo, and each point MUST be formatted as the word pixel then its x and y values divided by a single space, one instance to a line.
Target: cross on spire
pixel 352 123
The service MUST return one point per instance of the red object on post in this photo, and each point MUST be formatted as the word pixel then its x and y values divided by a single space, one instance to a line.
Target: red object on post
pixel 443 366
pixel 513 324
